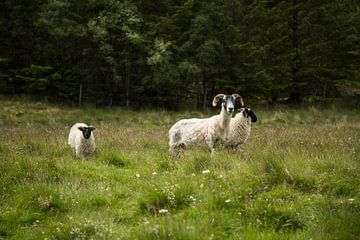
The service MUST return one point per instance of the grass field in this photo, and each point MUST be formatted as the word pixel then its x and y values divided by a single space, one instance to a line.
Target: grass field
pixel 298 177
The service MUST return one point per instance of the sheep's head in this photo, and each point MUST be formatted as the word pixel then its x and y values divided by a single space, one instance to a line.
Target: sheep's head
pixel 227 101
pixel 247 112
pixel 86 131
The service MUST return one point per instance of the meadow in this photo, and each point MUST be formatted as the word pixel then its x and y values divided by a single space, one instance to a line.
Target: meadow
pixel 298 176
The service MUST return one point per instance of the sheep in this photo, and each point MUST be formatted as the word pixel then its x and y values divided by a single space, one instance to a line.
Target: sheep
pixel 82 140
pixel 204 132
pixel 240 128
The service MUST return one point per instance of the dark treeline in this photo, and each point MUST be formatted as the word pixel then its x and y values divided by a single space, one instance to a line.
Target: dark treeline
pixel 178 53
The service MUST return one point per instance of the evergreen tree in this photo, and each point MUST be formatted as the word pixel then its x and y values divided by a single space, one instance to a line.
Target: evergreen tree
pixel 178 53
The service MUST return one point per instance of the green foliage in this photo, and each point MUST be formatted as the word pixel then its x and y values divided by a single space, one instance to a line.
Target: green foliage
pixel 176 54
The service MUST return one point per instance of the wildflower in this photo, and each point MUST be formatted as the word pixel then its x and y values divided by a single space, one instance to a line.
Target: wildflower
pixel 137 175
pixel 351 199
pixel 154 173
pixel 163 211
pixel 206 171
pixel 228 200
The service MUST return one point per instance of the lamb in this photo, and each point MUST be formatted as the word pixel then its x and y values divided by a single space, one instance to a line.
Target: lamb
pixel 240 128
pixel 82 140
pixel 204 132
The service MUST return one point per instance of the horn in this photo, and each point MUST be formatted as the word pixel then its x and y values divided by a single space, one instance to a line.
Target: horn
pixel 216 99
pixel 239 98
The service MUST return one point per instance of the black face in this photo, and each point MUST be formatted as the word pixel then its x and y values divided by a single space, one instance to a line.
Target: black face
pixel 251 114
pixel 86 131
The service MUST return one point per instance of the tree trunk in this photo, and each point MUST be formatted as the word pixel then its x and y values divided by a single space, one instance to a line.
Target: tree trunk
pixel 295 94
pixel 204 92
pixel 197 104
pixel 80 95
pixel 127 83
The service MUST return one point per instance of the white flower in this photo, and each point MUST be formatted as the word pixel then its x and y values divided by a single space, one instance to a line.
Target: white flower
pixel 206 171
pixel 137 175
pixel 163 211
pixel 192 198
pixel 351 199
pixel 201 186
pixel 154 173
pixel 228 200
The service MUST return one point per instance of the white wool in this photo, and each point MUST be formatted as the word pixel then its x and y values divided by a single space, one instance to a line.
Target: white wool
pixel 81 147
pixel 240 128
pixel 201 132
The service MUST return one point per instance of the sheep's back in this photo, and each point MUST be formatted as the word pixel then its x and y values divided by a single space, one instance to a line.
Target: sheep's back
pixel 191 131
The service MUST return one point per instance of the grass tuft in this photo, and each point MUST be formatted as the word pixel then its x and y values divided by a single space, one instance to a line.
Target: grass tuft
pixel 115 159
pixel 201 163
pixel 168 197
pixel 275 171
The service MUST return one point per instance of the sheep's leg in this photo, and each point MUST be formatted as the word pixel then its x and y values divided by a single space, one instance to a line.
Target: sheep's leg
pixel 74 152
pixel 211 145
pixel 174 142
pixel 78 153
pixel 172 146
pixel 212 152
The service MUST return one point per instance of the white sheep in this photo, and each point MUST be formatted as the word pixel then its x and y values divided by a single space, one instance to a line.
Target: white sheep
pixel 82 140
pixel 204 132
pixel 240 128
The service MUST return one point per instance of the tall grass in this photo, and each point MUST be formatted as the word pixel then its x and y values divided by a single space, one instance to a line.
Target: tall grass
pixel 296 178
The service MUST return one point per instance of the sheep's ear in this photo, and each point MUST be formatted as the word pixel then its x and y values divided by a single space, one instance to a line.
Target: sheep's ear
pixel 92 128
pixel 252 115
pixel 81 128
pixel 217 98
pixel 238 98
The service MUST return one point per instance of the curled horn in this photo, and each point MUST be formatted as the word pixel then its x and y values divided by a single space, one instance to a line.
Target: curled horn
pixel 217 98
pixel 239 98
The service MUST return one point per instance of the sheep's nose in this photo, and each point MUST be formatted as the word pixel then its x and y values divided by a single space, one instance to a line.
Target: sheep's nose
pixel 230 109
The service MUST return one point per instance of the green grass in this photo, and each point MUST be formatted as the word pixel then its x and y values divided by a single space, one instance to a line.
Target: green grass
pixel 296 178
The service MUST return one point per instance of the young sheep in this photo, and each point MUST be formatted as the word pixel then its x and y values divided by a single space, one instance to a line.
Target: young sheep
pixel 240 128
pixel 82 140
pixel 204 132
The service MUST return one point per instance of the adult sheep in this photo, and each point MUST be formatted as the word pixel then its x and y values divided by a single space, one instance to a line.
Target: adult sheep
pixel 240 128
pixel 82 140
pixel 204 132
